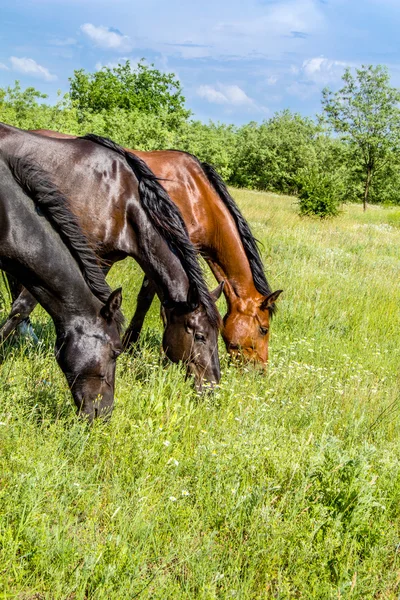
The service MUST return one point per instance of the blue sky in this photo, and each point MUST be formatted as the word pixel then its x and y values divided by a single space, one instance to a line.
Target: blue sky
pixel 238 60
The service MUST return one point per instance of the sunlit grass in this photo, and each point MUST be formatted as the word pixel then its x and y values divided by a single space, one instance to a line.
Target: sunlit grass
pixel 278 486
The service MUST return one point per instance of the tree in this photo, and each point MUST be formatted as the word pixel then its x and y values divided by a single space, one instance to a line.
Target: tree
pixel 22 101
pixel 213 143
pixel 269 155
pixel 144 89
pixel 365 113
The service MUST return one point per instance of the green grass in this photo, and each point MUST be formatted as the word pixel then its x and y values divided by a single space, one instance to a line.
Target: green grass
pixel 280 486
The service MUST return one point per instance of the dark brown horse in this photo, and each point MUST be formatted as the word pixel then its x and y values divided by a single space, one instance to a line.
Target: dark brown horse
pixel 42 245
pixel 222 235
pixel 125 212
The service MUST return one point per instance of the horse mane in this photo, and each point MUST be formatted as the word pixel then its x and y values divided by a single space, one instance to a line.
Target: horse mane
pixel 248 240
pixel 167 221
pixel 36 183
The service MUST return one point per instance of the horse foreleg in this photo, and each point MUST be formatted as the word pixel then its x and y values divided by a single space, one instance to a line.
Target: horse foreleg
pixel 144 300
pixel 20 311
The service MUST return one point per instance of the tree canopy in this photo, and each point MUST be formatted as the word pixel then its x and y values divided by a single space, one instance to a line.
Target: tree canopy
pixel 365 114
pixel 143 88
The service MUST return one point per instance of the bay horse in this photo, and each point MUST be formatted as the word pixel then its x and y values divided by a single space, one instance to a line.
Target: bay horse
pixel 124 211
pixel 220 232
pixel 42 245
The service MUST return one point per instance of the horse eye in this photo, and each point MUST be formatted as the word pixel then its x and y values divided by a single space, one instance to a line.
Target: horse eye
pixel 116 353
pixel 264 330
pixel 199 337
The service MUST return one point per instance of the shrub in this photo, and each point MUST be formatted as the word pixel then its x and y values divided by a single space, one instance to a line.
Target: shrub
pixel 319 192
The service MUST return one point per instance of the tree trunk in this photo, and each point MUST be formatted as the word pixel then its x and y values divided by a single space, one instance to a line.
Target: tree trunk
pixel 367 184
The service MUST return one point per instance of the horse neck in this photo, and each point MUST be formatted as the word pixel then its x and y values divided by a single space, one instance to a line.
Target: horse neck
pixel 210 224
pixel 66 299
pixel 154 255
pixel 228 258
pixel 172 283
pixel 35 254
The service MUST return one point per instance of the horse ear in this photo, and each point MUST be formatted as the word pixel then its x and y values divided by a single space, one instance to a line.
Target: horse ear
pixel 218 291
pixel 229 291
pixel 230 294
pixel 270 300
pixel 193 297
pixel 112 305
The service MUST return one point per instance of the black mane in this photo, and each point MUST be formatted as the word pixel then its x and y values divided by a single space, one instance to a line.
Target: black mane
pixel 248 240
pixel 250 243
pixel 168 222
pixel 37 185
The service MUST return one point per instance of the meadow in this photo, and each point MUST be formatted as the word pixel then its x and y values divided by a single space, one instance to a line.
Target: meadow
pixel 284 485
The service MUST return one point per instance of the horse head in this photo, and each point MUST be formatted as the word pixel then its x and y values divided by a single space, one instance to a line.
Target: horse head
pixel 245 328
pixel 191 335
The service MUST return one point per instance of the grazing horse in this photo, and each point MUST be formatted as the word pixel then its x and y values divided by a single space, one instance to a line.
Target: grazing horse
pixel 124 211
pixel 42 245
pixel 222 235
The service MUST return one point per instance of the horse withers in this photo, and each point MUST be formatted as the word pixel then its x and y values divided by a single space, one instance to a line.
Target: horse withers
pixel 43 247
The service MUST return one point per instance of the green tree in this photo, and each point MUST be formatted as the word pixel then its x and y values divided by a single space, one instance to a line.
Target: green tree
pixel 269 155
pixel 144 89
pixel 21 101
pixel 365 113
pixel 213 143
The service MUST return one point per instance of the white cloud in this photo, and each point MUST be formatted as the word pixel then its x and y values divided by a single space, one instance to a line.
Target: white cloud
pixel 272 80
pixel 211 94
pixel 3 67
pixel 323 70
pixel 313 74
pixel 232 95
pixel 106 38
pixel 28 66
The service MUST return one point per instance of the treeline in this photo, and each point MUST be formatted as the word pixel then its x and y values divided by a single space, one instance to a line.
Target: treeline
pixel 144 109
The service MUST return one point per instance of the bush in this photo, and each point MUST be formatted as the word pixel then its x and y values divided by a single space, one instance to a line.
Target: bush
pixel 269 156
pixel 319 192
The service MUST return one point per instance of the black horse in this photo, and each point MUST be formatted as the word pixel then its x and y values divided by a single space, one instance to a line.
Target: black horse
pixel 42 245
pixel 125 211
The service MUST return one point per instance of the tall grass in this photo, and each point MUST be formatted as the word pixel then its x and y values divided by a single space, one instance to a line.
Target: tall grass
pixel 280 486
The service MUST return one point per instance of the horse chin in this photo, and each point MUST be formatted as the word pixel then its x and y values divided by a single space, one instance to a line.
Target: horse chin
pixel 204 382
pixel 89 410
pixel 248 358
